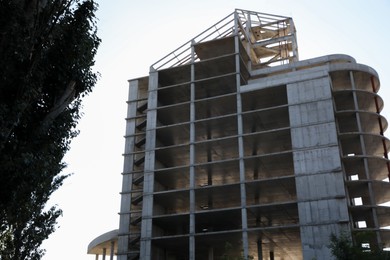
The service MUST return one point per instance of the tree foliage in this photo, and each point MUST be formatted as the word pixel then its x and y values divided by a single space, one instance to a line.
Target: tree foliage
pixel 343 248
pixel 47 49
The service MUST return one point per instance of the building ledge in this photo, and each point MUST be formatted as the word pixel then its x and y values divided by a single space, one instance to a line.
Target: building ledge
pixel 103 242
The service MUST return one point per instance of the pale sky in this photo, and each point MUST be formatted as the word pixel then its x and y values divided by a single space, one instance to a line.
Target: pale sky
pixel 134 35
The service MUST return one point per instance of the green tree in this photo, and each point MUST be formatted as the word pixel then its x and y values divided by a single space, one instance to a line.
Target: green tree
pixel 343 248
pixel 47 49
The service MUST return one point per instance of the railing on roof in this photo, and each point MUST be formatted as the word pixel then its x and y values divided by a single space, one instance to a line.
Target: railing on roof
pixel 247 21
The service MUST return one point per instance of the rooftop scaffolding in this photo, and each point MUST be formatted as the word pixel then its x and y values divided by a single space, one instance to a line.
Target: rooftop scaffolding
pixel 269 40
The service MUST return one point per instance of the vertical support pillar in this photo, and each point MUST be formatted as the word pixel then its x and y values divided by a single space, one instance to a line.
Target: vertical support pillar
pixel 364 153
pixel 240 130
pixel 385 152
pixel 249 44
pixel 104 253
pixel 259 249
pixel 271 255
pixel 112 250
pixel 293 41
pixel 317 163
pixel 192 159
pixel 96 257
pixel 147 204
pixel 211 253
pixel 124 217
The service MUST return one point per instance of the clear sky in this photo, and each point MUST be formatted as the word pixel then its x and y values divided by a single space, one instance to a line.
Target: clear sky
pixel 134 35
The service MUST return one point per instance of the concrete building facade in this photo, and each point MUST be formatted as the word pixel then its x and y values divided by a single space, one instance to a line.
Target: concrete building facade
pixel 235 147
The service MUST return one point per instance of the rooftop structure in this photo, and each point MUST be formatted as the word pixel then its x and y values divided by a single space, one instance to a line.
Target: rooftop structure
pixel 235 147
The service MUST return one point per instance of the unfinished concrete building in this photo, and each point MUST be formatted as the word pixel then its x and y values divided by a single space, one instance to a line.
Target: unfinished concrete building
pixel 235 147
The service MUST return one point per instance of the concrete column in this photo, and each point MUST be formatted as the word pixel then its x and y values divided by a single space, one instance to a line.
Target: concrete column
pixel 96 257
pixel 259 249
pixel 322 204
pixel 124 218
pixel 112 250
pixel 248 46
pixel 294 41
pixel 244 222
pixel 211 253
pixel 271 255
pixel 104 253
pixel 192 160
pixel 147 204
pixel 366 168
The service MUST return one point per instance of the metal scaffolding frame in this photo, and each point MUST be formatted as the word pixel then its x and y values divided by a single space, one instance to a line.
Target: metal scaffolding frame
pixel 269 40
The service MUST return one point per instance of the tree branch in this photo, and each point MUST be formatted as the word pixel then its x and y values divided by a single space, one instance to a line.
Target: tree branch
pixel 66 98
